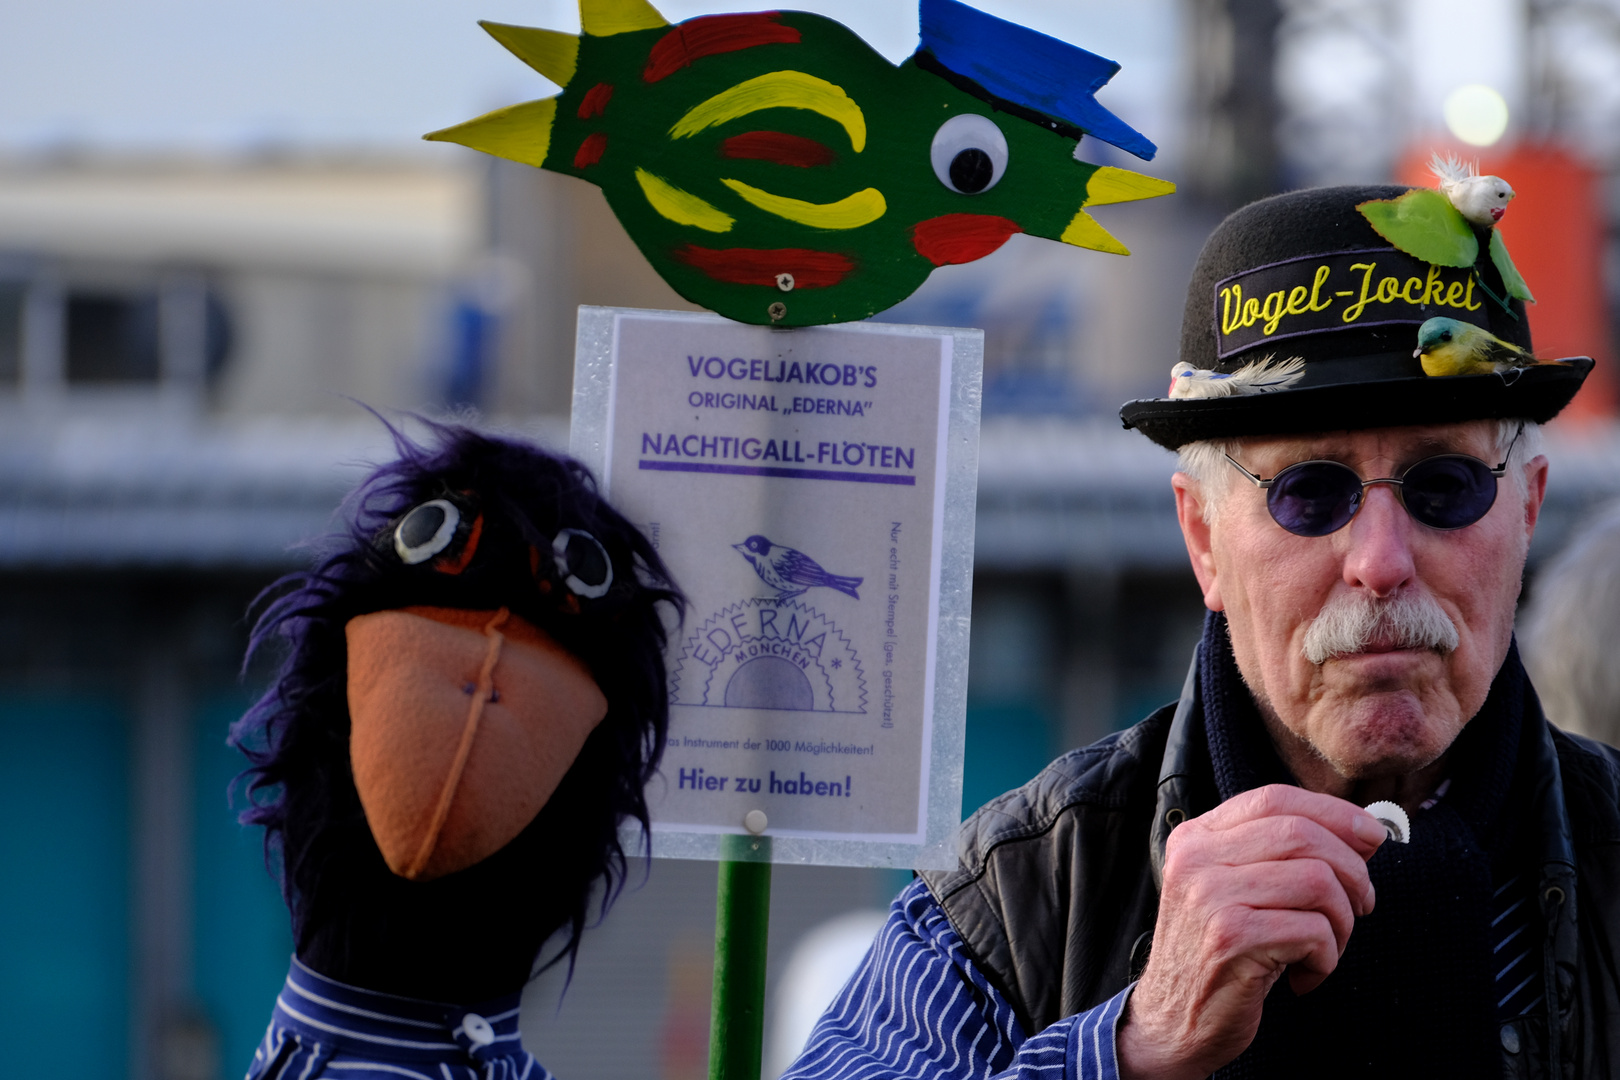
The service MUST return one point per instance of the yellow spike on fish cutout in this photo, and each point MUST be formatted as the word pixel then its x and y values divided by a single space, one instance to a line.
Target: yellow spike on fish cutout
pixel 517 132
pixel 553 54
pixel 604 18
pixel 1110 185
pixel 1084 232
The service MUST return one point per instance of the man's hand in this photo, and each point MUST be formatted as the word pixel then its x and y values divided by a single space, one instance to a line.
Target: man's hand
pixel 1268 881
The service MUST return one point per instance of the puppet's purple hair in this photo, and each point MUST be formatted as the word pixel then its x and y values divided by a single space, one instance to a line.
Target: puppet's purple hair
pixel 353 919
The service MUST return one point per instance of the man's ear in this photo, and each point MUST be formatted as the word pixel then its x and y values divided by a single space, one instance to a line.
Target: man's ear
pixel 1535 481
pixel 1195 531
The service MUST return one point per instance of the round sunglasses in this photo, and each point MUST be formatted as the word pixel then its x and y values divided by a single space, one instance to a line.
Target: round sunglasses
pixel 1447 491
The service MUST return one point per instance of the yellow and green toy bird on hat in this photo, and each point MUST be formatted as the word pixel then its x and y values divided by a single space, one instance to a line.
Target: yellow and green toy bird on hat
pixel 776 169
pixel 1450 347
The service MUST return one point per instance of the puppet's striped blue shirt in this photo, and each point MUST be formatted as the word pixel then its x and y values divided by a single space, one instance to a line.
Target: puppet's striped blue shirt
pixel 918 1007
pixel 322 1028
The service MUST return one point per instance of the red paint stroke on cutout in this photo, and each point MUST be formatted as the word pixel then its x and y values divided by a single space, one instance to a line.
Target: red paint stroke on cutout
pixel 780 147
pixel 595 102
pixel 759 266
pixel 961 238
pixel 710 35
pixel 590 151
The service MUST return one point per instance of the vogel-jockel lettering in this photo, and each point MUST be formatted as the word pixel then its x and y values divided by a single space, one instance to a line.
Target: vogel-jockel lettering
pixel 1350 288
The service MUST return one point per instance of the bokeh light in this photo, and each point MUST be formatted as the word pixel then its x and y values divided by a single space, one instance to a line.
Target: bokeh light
pixel 1476 114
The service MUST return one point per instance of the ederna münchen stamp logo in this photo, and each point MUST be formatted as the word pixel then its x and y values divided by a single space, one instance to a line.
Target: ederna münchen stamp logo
pixel 770 654
pixel 774 652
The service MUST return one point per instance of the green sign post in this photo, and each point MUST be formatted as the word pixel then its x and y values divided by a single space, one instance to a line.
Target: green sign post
pixel 741 928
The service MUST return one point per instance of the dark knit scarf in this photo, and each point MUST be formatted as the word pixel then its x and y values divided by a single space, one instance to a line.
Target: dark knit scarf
pixel 1412 994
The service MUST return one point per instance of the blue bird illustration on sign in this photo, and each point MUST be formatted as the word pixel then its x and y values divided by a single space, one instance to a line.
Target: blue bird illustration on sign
pixel 791 572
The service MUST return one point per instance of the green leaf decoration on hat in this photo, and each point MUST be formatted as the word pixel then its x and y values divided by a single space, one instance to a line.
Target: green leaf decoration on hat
pixel 776 169
pixel 1511 279
pixel 1424 224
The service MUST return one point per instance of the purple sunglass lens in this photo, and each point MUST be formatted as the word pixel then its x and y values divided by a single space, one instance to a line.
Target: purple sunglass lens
pixel 1314 498
pixel 1448 492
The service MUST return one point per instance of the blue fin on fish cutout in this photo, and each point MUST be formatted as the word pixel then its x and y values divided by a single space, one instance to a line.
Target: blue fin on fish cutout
pixel 1028 69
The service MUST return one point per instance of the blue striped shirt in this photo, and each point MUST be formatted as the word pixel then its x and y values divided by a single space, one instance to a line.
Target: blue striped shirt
pixel 919 1007
pixel 1518 984
pixel 322 1028
pixel 1513 942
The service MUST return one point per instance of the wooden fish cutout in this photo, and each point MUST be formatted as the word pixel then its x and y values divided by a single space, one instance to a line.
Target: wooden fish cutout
pixel 776 169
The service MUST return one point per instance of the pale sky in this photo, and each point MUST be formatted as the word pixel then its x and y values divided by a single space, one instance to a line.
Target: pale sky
pixel 220 76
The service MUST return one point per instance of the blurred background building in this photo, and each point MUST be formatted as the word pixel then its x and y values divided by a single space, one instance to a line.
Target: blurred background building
pixel 218 240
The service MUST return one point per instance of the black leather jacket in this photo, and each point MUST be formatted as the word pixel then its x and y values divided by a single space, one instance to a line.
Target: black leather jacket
pixel 1058 885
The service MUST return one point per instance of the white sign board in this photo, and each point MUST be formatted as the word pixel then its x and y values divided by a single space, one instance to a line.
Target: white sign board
pixel 812 492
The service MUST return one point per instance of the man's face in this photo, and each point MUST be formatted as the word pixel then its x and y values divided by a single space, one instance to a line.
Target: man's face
pixel 1385 711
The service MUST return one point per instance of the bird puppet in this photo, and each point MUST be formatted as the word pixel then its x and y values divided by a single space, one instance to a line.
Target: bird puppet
pixel 472 698
pixel 1454 225
pixel 776 169
pixel 1450 347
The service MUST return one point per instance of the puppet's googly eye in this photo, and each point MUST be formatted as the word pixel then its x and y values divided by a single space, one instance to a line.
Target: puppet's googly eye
pixel 426 531
pixel 583 563
pixel 969 153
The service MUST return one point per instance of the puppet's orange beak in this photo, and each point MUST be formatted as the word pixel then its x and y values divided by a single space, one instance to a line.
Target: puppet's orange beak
pixel 462 723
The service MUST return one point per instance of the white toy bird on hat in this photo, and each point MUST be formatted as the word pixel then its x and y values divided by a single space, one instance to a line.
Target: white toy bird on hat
pixel 1481 200
pixel 1259 377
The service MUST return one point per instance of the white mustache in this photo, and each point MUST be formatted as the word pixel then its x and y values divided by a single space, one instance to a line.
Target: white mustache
pixel 1349 622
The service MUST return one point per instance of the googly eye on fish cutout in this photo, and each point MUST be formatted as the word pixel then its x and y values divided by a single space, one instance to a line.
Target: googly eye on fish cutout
pixel 969 154
pixel 583 563
pixel 426 531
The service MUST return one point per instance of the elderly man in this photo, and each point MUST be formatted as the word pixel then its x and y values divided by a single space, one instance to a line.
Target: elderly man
pixel 1205 893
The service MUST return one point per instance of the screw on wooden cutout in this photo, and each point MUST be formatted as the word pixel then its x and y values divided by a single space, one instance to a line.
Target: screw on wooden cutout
pixel 755 821
pixel 784 282
pixel 777 311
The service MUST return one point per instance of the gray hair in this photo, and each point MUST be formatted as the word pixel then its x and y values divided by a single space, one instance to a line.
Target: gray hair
pixel 1205 461
pixel 1569 627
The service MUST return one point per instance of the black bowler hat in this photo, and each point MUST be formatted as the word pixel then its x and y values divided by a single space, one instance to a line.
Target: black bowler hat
pixel 1304 275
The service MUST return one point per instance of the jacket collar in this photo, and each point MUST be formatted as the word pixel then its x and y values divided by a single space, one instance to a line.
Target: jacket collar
pixel 1176 802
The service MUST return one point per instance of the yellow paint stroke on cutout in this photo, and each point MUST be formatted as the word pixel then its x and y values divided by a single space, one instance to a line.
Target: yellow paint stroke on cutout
pixel 682 207
pixel 604 18
pixel 517 132
pixel 861 208
pixel 777 90
pixel 1084 232
pixel 1110 185
pixel 554 55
